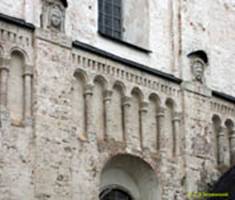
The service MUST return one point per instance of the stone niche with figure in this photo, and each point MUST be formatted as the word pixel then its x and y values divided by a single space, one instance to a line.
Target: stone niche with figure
pixel 53 15
pixel 198 64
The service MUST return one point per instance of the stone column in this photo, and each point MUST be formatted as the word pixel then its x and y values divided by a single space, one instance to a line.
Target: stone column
pixel 108 112
pixel 160 130
pixel 88 110
pixel 28 92
pixel 232 147
pixel 177 134
pixel 126 103
pixel 143 118
pixel 4 73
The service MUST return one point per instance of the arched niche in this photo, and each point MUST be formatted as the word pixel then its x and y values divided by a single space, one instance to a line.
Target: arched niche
pixel 151 140
pixel 169 127
pixel 15 92
pixel 229 124
pixel 132 175
pixel 100 85
pixel 216 125
pixel 134 136
pixel 222 141
pixel 78 103
pixel 117 112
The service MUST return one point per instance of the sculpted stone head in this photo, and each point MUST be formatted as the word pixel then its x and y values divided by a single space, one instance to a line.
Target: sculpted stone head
pixel 198 63
pixel 198 67
pixel 56 17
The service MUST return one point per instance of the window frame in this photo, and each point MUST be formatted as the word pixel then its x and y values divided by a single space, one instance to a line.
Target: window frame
pixel 115 39
pixel 104 15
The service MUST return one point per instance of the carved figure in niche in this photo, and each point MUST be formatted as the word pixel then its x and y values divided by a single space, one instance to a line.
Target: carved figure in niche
pixel 56 17
pixel 53 15
pixel 198 67
pixel 198 62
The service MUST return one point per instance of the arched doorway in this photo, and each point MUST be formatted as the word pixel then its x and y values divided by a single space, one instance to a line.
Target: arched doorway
pixel 226 184
pixel 114 194
pixel 127 177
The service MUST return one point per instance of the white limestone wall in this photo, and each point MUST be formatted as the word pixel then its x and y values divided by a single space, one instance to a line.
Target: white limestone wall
pixel 205 24
pixel 209 25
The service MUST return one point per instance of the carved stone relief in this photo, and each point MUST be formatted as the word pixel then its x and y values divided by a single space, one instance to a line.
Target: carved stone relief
pixel 198 63
pixel 53 15
pixel 198 67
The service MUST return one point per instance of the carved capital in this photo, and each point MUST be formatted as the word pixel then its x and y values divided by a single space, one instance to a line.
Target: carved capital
pixel 161 112
pixel 232 134
pixel 221 132
pixel 126 101
pixel 144 107
pixel 107 95
pixel 89 90
pixel 177 116
pixel 5 63
pixel 28 70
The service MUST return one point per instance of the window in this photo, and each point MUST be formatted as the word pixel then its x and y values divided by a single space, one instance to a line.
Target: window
pixel 110 18
pixel 114 194
pixel 125 22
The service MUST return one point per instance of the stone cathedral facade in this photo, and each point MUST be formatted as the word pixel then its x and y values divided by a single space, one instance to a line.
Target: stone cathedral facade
pixel 111 99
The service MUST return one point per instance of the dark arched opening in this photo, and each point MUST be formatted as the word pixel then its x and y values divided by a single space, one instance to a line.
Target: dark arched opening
pixel 199 54
pixel 114 194
pixel 127 177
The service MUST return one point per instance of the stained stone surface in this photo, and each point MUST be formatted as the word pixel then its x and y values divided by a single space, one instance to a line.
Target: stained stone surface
pixel 83 116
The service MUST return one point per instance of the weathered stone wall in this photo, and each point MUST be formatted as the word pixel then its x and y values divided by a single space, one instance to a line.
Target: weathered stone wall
pixel 174 26
pixel 81 109
pixel 208 25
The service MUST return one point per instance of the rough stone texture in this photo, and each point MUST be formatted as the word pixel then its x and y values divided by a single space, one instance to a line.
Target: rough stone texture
pixel 81 111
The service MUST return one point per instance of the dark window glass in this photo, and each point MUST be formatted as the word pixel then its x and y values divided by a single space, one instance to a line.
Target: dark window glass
pixel 114 194
pixel 110 18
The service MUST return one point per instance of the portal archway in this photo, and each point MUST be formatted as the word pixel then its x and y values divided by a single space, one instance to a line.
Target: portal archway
pixel 129 178
pixel 115 194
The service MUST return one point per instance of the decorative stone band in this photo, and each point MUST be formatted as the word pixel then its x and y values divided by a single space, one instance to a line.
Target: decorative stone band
pixel 123 73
